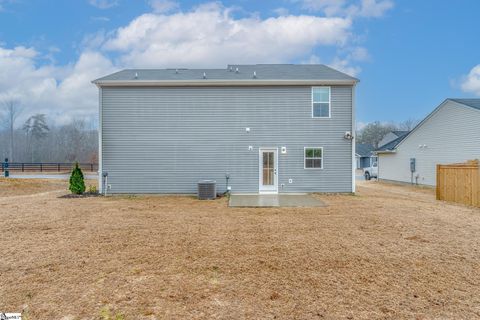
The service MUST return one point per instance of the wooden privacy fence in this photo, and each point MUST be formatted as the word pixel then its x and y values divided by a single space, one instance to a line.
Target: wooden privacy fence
pixel 459 182
pixel 47 167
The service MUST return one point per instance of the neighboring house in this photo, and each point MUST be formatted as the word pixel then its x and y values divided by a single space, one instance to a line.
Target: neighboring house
pixel 255 128
pixel 450 134
pixel 365 156
pixel 391 136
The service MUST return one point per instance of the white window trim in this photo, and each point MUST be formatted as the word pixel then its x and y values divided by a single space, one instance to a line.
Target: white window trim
pixel 329 103
pixel 305 158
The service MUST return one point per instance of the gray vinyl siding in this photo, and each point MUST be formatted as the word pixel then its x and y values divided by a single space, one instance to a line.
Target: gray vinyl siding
pixel 163 140
pixel 451 135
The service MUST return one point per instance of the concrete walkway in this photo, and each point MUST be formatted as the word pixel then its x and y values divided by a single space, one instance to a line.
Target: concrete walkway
pixel 275 200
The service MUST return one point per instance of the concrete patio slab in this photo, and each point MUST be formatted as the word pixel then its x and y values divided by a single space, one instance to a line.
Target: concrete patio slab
pixel 275 200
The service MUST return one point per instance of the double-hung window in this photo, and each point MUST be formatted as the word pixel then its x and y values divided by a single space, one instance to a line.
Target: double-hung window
pixel 321 102
pixel 313 158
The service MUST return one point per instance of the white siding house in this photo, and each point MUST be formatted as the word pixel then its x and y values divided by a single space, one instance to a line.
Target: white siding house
pixel 450 134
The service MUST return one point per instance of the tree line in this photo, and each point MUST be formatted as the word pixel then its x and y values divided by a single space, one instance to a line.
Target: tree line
pixel 37 140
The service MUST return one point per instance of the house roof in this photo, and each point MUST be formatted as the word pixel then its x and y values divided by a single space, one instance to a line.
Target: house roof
pixel 364 149
pixel 252 74
pixel 392 144
pixel 400 133
pixel 474 103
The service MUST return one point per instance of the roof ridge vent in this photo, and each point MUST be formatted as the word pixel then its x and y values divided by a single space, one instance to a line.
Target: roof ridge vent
pixel 204 75
pixel 236 70
pixel 176 71
pixel 254 74
pixel 230 69
pixel 136 75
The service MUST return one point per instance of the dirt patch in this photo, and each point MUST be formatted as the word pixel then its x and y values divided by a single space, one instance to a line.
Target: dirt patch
pixel 79 196
pixel 12 187
pixel 387 252
pixel 19 187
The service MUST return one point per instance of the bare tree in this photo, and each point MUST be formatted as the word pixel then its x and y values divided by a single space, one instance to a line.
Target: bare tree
pixel 36 129
pixel 408 124
pixel 374 132
pixel 10 112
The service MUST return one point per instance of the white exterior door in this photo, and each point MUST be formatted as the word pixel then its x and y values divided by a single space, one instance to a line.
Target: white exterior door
pixel 268 175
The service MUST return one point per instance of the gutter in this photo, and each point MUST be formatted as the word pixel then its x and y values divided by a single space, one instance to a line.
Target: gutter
pixel 386 152
pixel 220 83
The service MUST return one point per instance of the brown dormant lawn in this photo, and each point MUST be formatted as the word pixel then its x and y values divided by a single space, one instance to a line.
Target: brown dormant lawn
pixel 387 252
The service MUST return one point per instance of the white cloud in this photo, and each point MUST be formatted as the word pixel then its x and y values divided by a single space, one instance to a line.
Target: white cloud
pixel 210 36
pixel 330 7
pixel 471 82
pixel 345 66
pixel 374 8
pixel 351 8
pixel 281 11
pixel 77 96
pixel 103 4
pixel 60 92
pixel 163 6
pixel 100 19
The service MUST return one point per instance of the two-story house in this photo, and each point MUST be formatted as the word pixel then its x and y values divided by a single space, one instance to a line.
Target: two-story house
pixel 251 128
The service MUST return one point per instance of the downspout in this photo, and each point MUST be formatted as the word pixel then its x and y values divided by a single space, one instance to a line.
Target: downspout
pixel 100 147
pixel 354 133
pixel 227 185
pixel 105 183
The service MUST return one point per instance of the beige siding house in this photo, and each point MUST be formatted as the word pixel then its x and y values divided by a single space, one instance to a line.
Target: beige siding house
pixel 450 134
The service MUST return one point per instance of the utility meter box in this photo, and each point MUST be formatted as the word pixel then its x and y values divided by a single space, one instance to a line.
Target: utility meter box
pixel 412 165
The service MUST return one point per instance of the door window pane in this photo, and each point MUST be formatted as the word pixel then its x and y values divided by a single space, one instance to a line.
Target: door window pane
pixel 268 168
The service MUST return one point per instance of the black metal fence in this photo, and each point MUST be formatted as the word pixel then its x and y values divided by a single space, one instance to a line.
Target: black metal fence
pixel 47 167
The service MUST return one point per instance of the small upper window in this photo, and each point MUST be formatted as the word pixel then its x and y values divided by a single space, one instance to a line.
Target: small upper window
pixel 313 158
pixel 321 102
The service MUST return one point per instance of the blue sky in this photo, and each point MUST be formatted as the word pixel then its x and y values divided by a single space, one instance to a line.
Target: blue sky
pixel 409 55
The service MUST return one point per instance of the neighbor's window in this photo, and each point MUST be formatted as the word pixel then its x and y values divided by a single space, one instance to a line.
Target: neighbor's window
pixel 321 102
pixel 313 158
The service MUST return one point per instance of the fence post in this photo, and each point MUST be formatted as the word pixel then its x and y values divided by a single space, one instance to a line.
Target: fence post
pixel 58 166
pixel 41 168
pixel 478 184
pixel 438 182
pixel 23 167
